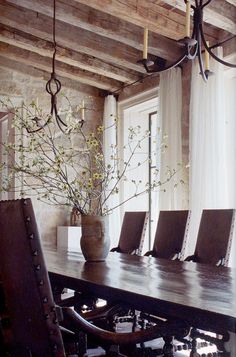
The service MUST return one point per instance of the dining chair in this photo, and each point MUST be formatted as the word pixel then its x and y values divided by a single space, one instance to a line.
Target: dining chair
pixel 170 237
pixel 214 237
pixel 30 322
pixel 131 241
pixel 171 233
pixel 132 233
pixel 213 247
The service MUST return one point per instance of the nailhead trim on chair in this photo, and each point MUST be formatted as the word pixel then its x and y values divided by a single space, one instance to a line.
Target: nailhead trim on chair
pixel 37 267
pixel 49 311
pixel 185 236
pixel 139 251
pixel 230 239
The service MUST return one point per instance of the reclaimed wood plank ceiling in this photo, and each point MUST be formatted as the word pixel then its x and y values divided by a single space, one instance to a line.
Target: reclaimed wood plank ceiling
pixel 100 41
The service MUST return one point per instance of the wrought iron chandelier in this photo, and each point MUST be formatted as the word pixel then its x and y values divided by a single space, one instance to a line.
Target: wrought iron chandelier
pixel 192 46
pixel 53 87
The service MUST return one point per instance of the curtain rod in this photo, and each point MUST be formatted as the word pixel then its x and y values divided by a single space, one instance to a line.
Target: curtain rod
pixel 116 92
pixel 222 42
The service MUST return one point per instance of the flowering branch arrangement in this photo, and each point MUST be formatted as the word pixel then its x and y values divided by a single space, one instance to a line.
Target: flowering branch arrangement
pixel 71 168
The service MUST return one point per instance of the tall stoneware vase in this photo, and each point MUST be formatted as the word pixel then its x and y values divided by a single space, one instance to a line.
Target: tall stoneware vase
pixel 95 241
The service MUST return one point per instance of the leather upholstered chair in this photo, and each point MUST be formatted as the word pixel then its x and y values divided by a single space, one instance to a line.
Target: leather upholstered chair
pixel 132 233
pixel 29 322
pixel 29 319
pixel 170 233
pixel 131 240
pixel 168 242
pixel 212 247
pixel 214 237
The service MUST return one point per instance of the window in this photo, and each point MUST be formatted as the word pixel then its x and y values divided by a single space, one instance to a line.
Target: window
pixel 143 114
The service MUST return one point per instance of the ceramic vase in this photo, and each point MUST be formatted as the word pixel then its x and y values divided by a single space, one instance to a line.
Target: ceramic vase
pixel 95 241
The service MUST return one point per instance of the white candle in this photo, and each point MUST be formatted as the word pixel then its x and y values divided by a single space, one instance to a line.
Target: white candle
pixel 145 43
pixel 207 58
pixel 187 19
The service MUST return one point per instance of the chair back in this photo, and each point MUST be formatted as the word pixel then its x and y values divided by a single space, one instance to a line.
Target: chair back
pixel 29 325
pixel 133 232
pixel 170 233
pixel 215 236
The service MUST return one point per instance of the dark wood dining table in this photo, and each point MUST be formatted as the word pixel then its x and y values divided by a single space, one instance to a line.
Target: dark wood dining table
pixel 203 296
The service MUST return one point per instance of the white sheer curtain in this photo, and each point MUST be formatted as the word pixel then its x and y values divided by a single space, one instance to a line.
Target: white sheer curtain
pixel 170 99
pixel 209 185
pixel 230 116
pixel 110 138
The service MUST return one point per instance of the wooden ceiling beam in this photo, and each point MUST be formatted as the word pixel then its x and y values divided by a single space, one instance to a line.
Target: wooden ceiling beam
pixel 71 37
pixel 233 2
pixel 147 84
pixel 62 69
pixel 105 25
pixel 148 13
pixel 41 75
pixel 68 56
pixel 218 13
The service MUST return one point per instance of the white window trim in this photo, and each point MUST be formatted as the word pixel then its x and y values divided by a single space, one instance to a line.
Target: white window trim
pixel 124 105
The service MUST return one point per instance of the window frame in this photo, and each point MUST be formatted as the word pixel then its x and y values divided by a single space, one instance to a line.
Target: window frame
pixel 128 104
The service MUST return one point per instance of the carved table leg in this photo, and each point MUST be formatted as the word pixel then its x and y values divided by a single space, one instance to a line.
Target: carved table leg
pixel 114 351
pixel 168 348
pixel 194 352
